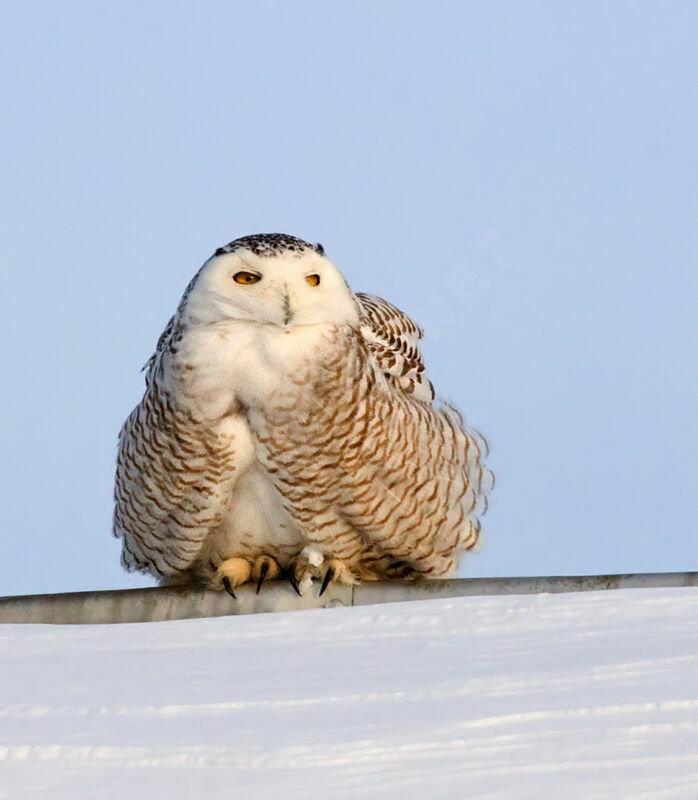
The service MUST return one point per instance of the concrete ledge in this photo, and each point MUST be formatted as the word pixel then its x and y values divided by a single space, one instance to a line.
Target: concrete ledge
pixel 180 602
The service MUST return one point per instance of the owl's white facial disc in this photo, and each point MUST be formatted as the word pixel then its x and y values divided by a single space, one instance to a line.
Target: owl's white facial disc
pixel 285 289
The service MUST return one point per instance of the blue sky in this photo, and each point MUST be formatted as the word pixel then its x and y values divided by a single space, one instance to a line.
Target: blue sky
pixel 520 177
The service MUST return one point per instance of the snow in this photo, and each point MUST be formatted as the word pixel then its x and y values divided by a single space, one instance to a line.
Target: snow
pixel 565 696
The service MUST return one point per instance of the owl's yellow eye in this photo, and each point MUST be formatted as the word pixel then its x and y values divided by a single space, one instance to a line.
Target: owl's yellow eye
pixel 313 280
pixel 246 278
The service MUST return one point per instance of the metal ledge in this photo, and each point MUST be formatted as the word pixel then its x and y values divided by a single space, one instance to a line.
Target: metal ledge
pixel 181 602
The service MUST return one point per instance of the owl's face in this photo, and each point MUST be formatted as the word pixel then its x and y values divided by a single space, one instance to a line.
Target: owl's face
pixel 285 289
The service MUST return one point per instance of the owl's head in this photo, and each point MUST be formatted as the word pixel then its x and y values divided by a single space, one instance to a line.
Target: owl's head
pixel 271 279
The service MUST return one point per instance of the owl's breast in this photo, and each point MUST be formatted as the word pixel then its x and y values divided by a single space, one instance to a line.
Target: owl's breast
pixel 226 365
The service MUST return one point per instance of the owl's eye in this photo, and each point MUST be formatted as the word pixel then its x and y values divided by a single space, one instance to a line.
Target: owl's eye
pixel 313 280
pixel 246 278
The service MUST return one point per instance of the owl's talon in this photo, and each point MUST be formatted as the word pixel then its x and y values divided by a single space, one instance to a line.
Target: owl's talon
pixel 294 583
pixel 228 587
pixel 262 575
pixel 265 568
pixel 338 572
pixel 326 580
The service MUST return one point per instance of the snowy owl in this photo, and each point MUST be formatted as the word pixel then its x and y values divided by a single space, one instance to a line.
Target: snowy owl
pixel 288 429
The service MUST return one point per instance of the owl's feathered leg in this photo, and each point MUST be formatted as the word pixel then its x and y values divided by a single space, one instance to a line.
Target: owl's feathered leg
pixel 306 568
pixel 311 565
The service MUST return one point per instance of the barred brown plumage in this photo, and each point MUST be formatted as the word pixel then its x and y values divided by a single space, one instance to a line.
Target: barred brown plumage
pixel 288 426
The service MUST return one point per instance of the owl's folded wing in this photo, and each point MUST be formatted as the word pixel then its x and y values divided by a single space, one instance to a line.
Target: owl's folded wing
pixel 393 339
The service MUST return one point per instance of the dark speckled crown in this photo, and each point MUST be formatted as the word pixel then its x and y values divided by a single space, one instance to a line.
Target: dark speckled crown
pixel 269 244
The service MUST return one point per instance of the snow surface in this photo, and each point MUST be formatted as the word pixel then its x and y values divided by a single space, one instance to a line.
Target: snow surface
pixel 565 696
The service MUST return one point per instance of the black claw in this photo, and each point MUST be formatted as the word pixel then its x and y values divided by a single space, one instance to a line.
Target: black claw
pixel 262 575
pixel 326 580
pixel 228 587
pixel 292 581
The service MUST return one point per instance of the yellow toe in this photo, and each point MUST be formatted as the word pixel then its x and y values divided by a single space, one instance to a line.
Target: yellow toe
pixel 266 568
pixel 235 570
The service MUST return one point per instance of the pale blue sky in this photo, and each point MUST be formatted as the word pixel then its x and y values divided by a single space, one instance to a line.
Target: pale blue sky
pixel 520 177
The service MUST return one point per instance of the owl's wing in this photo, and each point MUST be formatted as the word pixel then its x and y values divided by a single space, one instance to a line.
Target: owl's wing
pixel 393 339
pixel 174 477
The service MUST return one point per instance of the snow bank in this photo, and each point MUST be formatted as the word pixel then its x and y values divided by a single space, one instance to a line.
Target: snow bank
pixel 576 696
